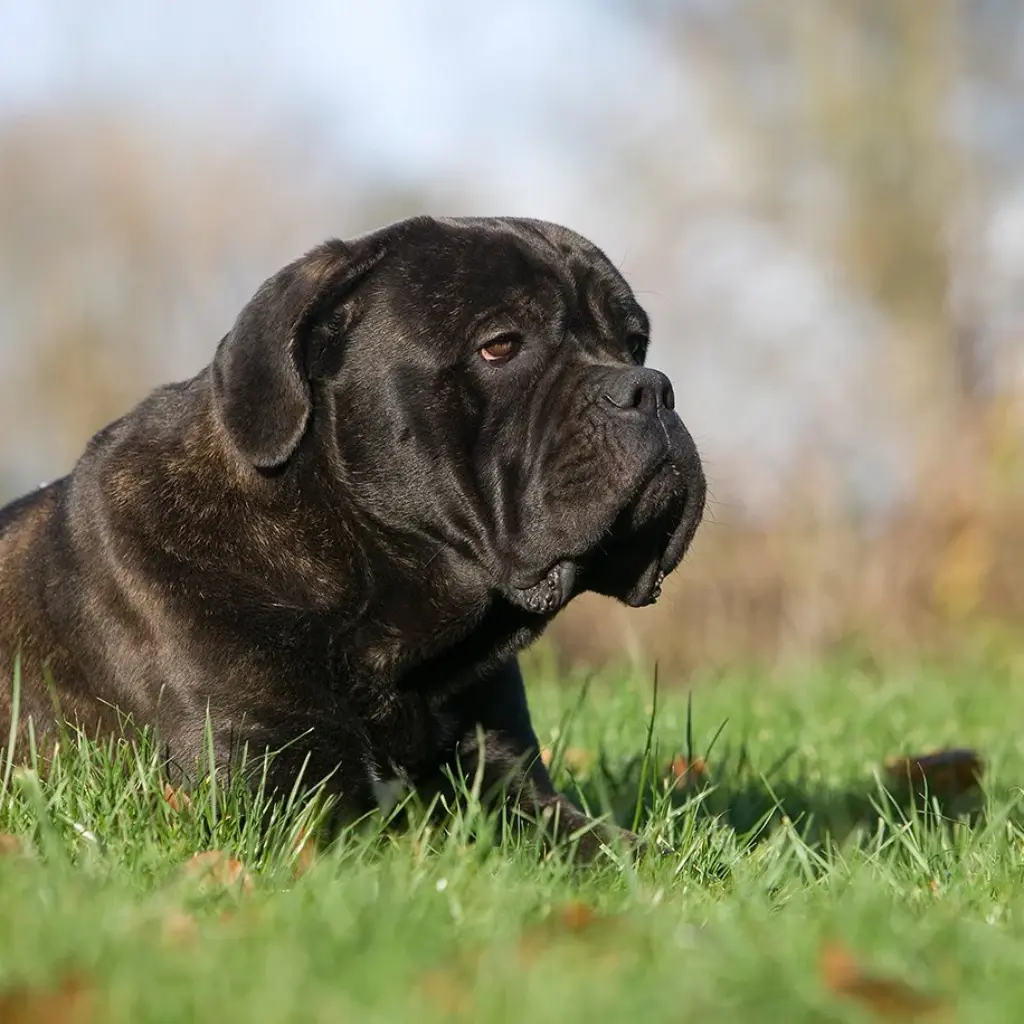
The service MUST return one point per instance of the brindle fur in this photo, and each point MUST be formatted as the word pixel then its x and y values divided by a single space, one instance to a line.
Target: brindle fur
pixel 339 533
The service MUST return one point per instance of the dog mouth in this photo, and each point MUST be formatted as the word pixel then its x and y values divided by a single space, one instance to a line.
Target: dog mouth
pixel 671 540
pixel 551 592
pixel 630 562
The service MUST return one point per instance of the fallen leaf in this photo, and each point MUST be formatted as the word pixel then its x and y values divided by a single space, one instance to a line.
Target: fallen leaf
pixel 688 773
pixel 576 916
pixel 219 869
pixel 530 947
pixel 71 1002
pixel 305 856
pixel 11 846
pixel 944 773
pixel 887 998
pixel 176 798
pixel 180 928
pixel 576 759
pixel 445 990
pixel 579 924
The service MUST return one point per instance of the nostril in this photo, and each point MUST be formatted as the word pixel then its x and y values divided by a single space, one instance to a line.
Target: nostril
pixel 644 391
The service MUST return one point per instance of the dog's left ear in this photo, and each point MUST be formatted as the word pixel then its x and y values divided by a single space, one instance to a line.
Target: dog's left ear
pixel 261 385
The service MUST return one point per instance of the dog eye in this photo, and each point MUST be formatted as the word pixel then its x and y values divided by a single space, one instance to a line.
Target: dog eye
pixel 501 349
pixel 637 345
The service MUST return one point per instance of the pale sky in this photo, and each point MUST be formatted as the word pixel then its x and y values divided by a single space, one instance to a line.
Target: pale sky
pixel 522 101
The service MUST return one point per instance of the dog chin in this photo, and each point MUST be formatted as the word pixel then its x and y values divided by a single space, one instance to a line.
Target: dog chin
pixel 630 558
pixel 647 588
pixel 632 566
pixel 550 593
pixel 630 570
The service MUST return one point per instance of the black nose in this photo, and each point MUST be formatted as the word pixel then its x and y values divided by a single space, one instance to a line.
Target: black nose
pixel 640 390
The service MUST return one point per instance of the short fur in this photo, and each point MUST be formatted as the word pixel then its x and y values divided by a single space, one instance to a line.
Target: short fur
pixel 338 535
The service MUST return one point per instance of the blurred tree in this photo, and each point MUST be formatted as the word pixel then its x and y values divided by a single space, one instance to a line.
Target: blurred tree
pixel 127 248
pixel 848 118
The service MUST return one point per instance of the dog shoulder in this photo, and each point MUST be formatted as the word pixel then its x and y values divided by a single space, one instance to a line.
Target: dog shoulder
pixel 25 516
pixel 24 527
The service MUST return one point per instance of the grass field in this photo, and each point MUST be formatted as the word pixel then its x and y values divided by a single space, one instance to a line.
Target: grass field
pixel 791 863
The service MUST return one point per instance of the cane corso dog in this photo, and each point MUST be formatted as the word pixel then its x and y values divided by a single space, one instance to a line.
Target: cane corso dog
pixel 408 454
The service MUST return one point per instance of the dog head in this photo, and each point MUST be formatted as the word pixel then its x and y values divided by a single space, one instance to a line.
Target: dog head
pixel 478 385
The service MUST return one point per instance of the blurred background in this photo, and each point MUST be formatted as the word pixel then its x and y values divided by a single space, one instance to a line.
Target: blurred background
pixel 821 205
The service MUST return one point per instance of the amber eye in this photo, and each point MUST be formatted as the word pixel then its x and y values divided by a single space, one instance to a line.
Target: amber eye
pixel 501 349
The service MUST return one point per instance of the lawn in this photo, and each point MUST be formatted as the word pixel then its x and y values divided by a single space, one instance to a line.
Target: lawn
pixel 796 878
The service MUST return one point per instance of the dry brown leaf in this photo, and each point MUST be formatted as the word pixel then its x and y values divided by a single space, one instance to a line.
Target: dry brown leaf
pixel 176 798
pixel 305 858
pixel 180 928
pixel 576 759
pixel 530 947
pixel 445 991
pixel 945 773
pixel 887 998
pixel 218 868
pixel 535 944
pixel 71 1002
pixel 11 846
pixel 688 773
pixel 241 917
pixel 576 916
pixel 573 920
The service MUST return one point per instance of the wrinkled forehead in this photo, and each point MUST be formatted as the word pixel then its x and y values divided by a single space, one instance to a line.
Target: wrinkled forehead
pixel 464 267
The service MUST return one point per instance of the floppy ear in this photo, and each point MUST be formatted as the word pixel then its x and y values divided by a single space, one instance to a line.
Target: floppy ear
pixel 261 387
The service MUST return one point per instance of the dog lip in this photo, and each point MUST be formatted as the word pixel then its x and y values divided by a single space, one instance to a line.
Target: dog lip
pixel 548 589
pixel 647 589
pixel 549 593
pixel 679 541
pixel 529 580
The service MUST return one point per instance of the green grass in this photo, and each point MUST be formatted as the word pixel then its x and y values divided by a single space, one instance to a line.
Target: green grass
pixel 792 845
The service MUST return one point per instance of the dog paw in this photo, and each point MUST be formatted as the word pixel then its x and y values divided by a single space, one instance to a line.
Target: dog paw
pixel 637 847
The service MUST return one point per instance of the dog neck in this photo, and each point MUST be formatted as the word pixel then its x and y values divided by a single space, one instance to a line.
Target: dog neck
pixel 286 558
